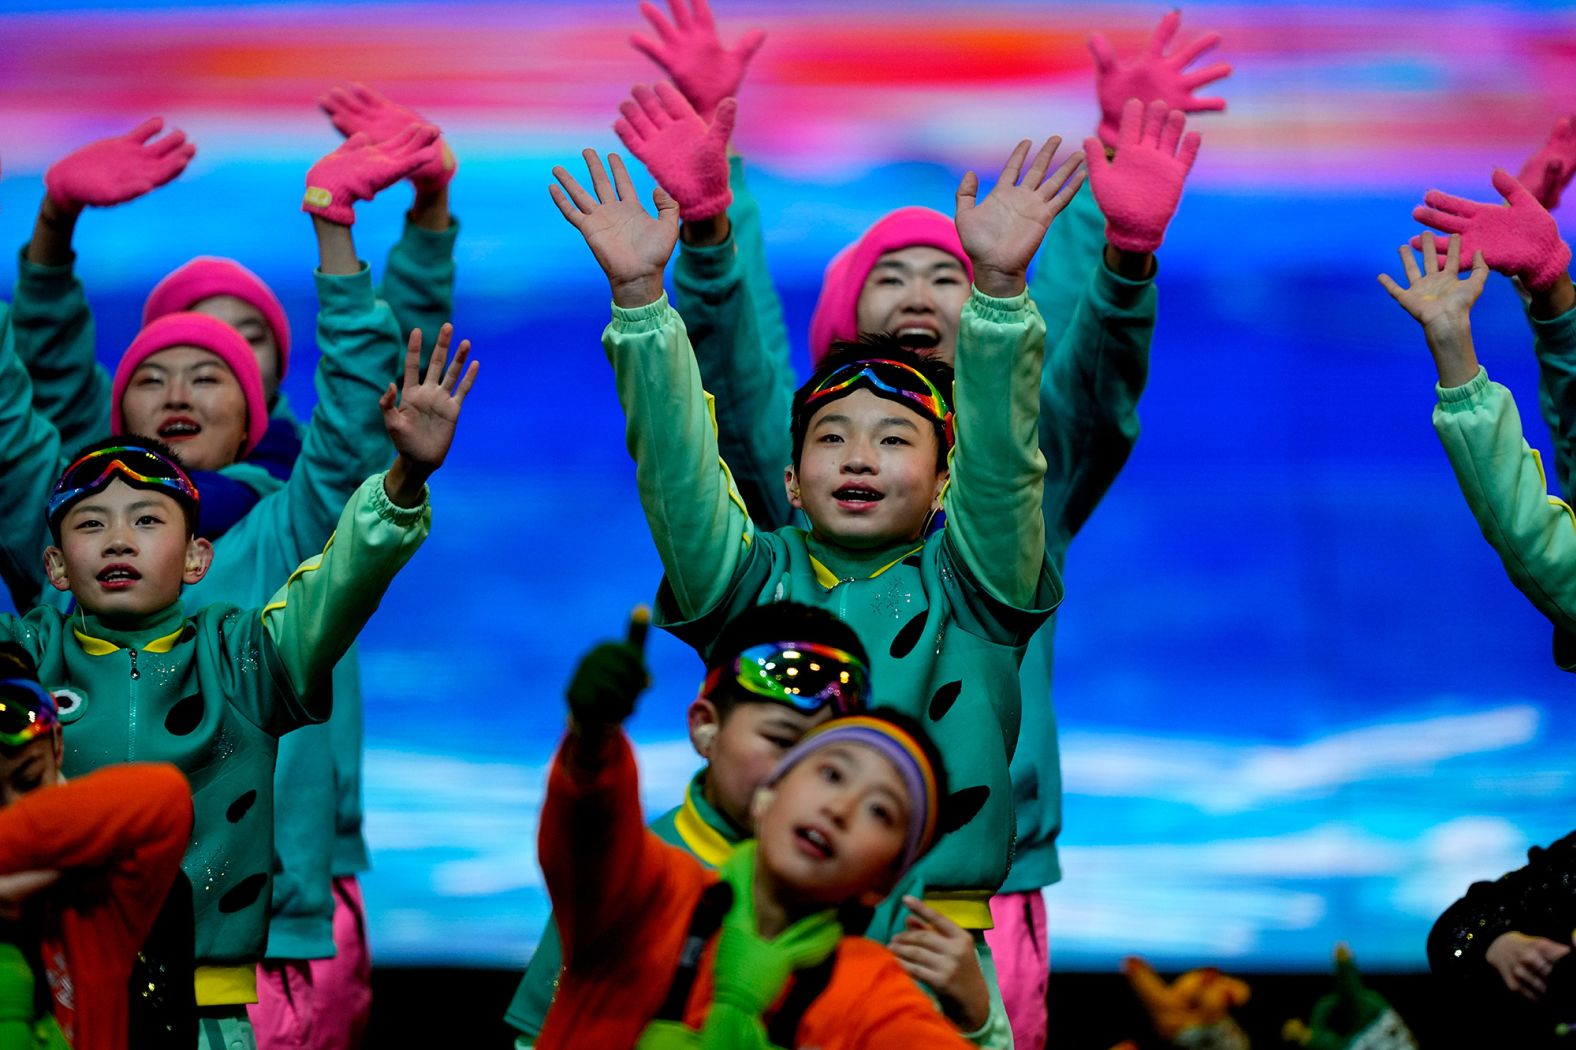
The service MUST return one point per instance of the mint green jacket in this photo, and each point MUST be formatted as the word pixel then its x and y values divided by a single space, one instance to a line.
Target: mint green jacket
pixel 318 833
pixel 946 618
pixel 1503 481
pixel 1099 327
pixel 211 693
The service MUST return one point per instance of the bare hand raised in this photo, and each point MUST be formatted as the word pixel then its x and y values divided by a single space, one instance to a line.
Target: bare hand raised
pixel 631 247
pixel 1002 232
pixel 422 416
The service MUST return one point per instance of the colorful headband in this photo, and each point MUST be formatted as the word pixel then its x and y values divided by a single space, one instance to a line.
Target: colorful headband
pixel 899 379
pixel 899 748
pixel 95 470
pixel 805 676
pixel 20 721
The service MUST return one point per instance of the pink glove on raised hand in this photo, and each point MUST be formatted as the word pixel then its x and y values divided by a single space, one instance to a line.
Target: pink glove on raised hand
pixel 118 169
pixel 1139 188
pixel 687 157
pixel 357 170
pixel 694 57
pixel 359 108
pixel 1153 75
pixel 1548 171
pixel 1517 239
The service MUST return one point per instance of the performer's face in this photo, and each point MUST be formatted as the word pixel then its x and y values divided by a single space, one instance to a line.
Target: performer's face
pixel 917 294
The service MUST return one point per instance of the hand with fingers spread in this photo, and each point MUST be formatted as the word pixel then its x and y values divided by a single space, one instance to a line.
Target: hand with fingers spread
pixel 631 247
pixel 1548 171
pixel 1442 303
pixel 421 417
pixel 938 952
pixel 689 50
pixel 1138 189
pixel 1524 963
pixel 687 156
pixel 361 168
pixel 611 677
pixel 1518 239
pixel 1153 76
pixel 356 108
pixel 1002 232
pixel 118 169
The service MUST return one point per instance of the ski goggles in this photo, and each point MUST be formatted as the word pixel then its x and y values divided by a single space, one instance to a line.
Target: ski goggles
pixel 27 711
pixel 887 377
pixel 805 676
pixel 140 467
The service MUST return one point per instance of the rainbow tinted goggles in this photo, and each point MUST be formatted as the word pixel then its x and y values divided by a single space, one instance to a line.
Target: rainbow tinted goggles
pixel 27 711
pixel 140 467
pixel 805 676
pixel 888 377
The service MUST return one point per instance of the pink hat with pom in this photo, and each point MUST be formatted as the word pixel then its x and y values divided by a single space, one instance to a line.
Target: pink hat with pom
pixel 836 314
pixel 209 275
pixel 206 333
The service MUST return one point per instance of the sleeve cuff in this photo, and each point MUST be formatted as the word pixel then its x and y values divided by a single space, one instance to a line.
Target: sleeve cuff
pixel 352 291
pixel 1559 332
pixel 1461 397
pixel 994 309
pixel 1123 293
pixel 429 247
pixel 646 318
pixel 387 510
pixel 707 263
pixel 33 273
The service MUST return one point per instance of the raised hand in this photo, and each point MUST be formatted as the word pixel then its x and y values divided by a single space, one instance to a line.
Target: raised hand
pixel 689 51
pixel 631 247
pixel 611 677
pixel 421 417
pixel 1139 188
pixel 1442 304
pixel 356 108
pixel 118 169
pixel 362 167
pixel 1002 232
pixel 687 156
pixel 1518 239
pixel 1153 76
pixel 1548 171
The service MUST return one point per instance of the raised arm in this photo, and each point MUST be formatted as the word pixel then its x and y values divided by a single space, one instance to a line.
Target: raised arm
pixel 313 619
pixel 54 327
pixel 697 520
pixel 30 457
pixel 997 471
pixel 418 279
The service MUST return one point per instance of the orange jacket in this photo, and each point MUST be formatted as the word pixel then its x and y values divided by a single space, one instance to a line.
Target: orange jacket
pixel 624 899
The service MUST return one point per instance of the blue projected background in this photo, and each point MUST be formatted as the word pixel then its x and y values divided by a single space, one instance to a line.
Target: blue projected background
pixel 1299 702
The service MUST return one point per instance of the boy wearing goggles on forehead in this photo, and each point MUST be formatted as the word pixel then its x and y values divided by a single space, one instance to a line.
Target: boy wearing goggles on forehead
pixel 214 689
pixel 945 616
pixel 84 867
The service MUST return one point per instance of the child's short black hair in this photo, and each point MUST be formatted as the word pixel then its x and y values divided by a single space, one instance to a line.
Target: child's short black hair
pixel 873 346
pixel 15 662
pixel 773 622
pixel 189 505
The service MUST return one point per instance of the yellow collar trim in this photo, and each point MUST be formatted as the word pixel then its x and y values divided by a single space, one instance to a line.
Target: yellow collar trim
pixel 102 647
pixel 703 840
pixel 828 579
pixel 225 985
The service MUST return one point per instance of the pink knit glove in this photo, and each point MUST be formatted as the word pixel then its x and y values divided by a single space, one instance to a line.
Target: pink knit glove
pixel 359 108
pixel 1138 189
pixel 358 169
pixel 118 169
pixel 694 57
pixel 1548 171
pixel 687 157
pixel 1517 239
pixel 1153 75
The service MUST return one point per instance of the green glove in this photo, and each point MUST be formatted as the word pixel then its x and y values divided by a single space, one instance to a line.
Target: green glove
pixel 610 677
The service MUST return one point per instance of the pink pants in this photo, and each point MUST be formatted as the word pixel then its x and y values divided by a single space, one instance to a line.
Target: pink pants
pixel 319 1004
pixel 1021 950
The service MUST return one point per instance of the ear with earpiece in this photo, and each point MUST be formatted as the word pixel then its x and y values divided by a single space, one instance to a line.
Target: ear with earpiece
pixel 791 484
pixel 760 802
pixel 704 724
pixel 55 569
pixel 705 736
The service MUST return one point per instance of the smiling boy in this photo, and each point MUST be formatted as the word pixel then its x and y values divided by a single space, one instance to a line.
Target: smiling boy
pixel 945 617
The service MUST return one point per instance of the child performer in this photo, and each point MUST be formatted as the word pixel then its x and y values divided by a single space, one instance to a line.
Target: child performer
pixel 944 616
pixel 661 952
pixel 146 679
pixel 1093 282
pixel 84 867
pixel 1499 473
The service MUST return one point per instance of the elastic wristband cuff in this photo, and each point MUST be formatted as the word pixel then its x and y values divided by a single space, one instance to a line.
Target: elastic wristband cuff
pixel 1471 390
pixel 641 318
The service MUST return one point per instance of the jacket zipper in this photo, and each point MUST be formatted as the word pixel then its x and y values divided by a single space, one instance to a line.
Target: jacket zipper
pixel 131 711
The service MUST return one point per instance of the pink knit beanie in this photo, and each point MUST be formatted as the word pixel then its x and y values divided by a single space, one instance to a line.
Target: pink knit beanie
pixel 207 333
pixel 209 275
pixel 836 314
